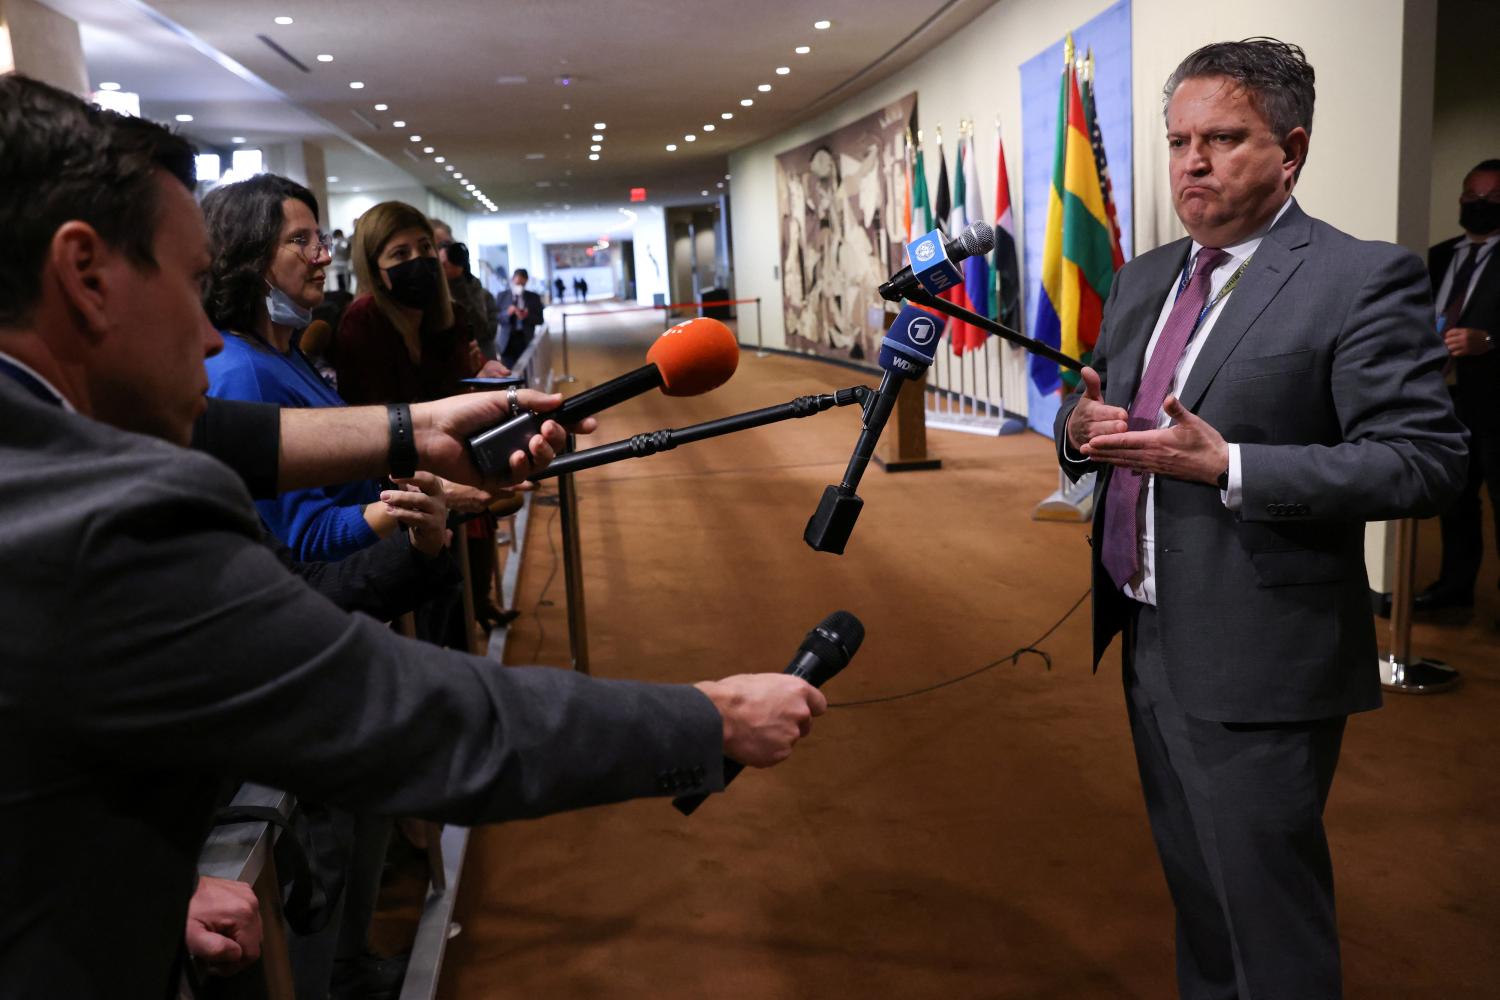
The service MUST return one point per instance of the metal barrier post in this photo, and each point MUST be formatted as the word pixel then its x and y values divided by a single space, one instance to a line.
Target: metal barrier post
pixel 760 347
pixel 1398 671
pixel 578 639
pixel 566 376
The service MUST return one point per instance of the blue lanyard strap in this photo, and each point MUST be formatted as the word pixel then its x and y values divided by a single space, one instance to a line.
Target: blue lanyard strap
pixel 29 382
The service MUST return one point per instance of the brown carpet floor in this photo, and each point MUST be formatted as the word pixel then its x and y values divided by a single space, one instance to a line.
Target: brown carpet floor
pixel 984 840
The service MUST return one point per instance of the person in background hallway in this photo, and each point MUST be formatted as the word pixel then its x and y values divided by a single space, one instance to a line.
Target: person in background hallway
pixel 1466 294
pixel 483 314
pixel 559 289
pixel 583 289
pixel 339 267
pixel 520 315
pixel 1260 390
pixel 196 655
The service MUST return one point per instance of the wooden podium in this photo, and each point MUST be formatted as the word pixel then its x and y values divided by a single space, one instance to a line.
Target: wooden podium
pixel 903 446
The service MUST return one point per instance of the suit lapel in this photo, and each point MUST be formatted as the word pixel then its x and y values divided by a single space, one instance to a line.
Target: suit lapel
pixel 1130 334
pixel 1274 262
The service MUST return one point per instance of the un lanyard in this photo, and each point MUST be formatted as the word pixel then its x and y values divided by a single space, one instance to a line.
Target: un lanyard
pixel 1234 279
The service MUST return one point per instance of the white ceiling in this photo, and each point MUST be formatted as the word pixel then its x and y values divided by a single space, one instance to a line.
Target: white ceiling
pixel 478 81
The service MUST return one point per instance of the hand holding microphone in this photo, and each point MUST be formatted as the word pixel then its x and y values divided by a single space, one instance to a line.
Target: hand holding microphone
pixel 689 359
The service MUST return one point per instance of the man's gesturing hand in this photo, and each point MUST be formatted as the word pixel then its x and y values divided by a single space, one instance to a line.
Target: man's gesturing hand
pixel 1092 416
pixel 223 925
pixel 1190 449
pixel 764 714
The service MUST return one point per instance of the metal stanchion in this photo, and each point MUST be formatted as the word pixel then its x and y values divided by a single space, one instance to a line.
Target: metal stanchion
pixel 760 347
pixel 1398 671
pixel 578 639
pixel 461 543
pixel 567 375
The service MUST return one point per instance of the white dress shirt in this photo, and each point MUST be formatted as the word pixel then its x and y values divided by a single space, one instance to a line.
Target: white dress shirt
pixel 1142 586
pixel 1486 251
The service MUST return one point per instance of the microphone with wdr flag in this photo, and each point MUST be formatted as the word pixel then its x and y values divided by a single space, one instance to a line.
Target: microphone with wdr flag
pixel 689 359
pixel 905 353
pixel 825 651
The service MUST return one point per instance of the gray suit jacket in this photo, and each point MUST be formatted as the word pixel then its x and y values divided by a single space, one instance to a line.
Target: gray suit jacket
pixel 153 646
pixel 1325 369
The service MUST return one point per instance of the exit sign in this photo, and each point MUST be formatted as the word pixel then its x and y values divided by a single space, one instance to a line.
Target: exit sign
pixel 637 194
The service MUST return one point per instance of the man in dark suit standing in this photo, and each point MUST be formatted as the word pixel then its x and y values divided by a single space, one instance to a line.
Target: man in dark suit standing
pixel 1260 391
pixel 520 315
pixel 1466 291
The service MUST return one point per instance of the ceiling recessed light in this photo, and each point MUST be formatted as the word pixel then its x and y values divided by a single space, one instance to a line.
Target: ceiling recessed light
pixel 449 167
pixel 726 177
pixel 441 159
pixel 600 125
pixel 324 57
pixel 690 137
pixel 747 102
pixel 703 193
pixel 456 175
pixel 398 123
pixel 783 70
pixel 822 25
pixel 427 149
pixel 416 138
pixel 593 156
pixel 721 184
pixel 184 118
pixel 595 148
pixel 764 88
pixel 727 115
pixel 109 86
pixel 283 19
pixel 333 180
pixel 382 107
pixel 708 127
pixel 802 50
pixel 671 147
pixel 356 85
pixel 597 137
pixel 237 139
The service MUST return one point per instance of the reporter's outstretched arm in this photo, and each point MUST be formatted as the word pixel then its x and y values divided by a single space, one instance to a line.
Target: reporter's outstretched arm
pixel 764 715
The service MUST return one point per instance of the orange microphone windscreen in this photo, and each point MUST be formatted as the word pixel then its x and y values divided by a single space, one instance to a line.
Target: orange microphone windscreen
pixel 695 356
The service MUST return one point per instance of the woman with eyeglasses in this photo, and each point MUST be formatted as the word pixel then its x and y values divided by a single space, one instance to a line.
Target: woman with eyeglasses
pixel 266 279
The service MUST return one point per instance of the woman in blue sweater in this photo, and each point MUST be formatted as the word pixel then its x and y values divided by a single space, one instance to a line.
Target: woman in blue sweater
pixel 268 273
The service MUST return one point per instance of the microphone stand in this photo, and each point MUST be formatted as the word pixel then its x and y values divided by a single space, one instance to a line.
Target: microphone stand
pixel 642 445
pixel 926 299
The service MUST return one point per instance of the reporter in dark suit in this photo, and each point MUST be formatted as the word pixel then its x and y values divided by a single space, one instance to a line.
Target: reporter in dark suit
pixel 520 315
pixel 1260 391
pixel 154 645
pixel 1466 291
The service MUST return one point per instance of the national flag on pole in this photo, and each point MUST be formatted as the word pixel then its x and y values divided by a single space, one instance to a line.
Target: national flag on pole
pixel 921 208
pixel 1007 304
pixel 942 206
pixel 906 191
pixel 1096 139
pixel 976 286
pixel 1077 257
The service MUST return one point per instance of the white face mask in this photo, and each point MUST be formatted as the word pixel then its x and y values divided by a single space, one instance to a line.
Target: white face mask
pixel 283 311
pixel 516 288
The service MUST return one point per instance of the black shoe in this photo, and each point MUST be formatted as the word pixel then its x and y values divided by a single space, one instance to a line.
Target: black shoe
pixel 368 977
pixel 1440 596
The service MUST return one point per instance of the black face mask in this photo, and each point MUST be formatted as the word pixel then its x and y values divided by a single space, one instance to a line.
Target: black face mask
pixel 414 283
pixel 1480 216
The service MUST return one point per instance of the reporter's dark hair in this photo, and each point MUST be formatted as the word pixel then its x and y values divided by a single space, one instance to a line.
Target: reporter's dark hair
pixel 1484 167
pixel 244 228
pixel 458 255
pixel 1275 73
pixel 62 160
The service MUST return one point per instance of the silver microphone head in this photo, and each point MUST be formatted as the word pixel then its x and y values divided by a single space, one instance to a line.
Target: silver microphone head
pixel 978 238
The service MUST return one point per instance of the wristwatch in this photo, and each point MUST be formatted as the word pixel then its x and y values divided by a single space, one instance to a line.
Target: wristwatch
pixel 403 446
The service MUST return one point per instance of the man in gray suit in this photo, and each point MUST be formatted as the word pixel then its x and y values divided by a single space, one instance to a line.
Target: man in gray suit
pixel 1260 391
pixel 155 646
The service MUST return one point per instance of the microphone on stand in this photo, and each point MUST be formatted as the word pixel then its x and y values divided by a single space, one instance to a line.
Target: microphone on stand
pixel 825 651
pixel 689 359
pixel 905 353
pixel 923 252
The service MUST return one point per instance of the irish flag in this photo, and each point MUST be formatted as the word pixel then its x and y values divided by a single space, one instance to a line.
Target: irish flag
pixel 1077 257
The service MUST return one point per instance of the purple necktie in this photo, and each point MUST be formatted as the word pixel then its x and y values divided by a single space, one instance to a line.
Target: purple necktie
pixel 1121 555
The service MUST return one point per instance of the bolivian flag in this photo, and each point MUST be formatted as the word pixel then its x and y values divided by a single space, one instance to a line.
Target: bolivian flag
pixel 1077 259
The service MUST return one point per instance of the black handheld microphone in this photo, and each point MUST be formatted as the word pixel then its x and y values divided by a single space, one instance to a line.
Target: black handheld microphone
pixel 978 238
pixel 825 651
pixel 690 358
pixel 905 353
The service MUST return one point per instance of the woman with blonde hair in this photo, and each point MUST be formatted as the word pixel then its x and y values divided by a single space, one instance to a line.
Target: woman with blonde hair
pixel 402 340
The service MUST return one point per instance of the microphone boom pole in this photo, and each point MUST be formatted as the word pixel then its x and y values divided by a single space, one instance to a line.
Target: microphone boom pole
pixel 927 300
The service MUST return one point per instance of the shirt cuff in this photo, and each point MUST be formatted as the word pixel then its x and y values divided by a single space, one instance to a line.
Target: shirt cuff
pixel 1233 496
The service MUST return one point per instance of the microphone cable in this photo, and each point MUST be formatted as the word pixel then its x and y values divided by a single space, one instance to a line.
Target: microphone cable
pixel 1011 658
